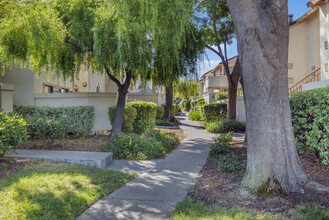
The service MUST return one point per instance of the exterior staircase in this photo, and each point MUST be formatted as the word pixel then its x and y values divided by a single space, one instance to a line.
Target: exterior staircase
pixel 313 77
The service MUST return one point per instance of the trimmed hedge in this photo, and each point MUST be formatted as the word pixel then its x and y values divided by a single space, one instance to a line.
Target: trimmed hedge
pixel 224 126
pixel 13 132
pixel 57 122
pixel 215 111
pixel 221 96
pixel 310 118
pixel 128 117
pixel 146 114
pixel 198 102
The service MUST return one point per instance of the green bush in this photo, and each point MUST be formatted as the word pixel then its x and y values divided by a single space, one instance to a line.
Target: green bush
pixel 186 105
pixel 215 111
pixel 179 108
pixel 175 109
pixel 13 132
pixel 56 122
pixel 146 114
pixel 310 110
pixel 169 141
pixel 221 144
pixel 224 126
pixel 195 115
pixel 163 123
pixel 198 102
pixel 160 112
pixel 128 117
pixel 221 96
pixel 148 146
pixel 230 163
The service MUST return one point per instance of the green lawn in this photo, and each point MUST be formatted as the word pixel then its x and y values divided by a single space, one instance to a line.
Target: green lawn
pixel 188 210
pixel 56 190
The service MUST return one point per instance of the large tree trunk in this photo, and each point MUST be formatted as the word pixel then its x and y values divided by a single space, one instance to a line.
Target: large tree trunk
pixel 169 111
pixel 262 34
pixel 233 82
pixel 121 102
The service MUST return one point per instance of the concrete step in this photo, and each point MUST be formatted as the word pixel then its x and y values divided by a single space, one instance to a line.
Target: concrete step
pixel 97 159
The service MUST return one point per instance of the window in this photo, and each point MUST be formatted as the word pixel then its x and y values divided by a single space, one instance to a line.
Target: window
pixel 326 45
pixel 290 65
pixel 49 88
pixel 326 67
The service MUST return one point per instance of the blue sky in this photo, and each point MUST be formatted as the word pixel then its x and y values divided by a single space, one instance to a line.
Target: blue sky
pixel 296 7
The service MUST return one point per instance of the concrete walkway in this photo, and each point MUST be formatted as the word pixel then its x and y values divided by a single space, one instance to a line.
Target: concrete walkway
pixel 154 194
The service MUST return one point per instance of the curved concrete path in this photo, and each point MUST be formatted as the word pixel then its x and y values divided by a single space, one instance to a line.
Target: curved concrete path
pixel 154 194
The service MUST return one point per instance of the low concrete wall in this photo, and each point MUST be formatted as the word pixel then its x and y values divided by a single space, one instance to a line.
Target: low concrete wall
pixel 101 102
pixel 209 98
pixel 157 98
pixel 315 85
pixel 6 97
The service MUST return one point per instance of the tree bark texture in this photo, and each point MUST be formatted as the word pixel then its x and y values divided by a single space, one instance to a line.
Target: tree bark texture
pixel 273 165
pixel 233 82
pixel 121 102
pixel 169 110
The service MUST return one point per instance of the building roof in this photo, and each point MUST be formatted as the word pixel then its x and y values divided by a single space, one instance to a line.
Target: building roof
pixel 314 4
pixel 231 62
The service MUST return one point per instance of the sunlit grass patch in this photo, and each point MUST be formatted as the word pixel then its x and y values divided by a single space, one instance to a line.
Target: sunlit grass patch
pixel 56 191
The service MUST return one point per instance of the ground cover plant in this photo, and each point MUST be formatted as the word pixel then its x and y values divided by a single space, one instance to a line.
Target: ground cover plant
pixel 56 190
pixel 151 145
pixel 310 120
pixel 163 123
pixel 188 209
pixel 224 125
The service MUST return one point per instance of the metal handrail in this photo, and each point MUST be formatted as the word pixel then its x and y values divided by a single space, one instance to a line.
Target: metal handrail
pixel 310 78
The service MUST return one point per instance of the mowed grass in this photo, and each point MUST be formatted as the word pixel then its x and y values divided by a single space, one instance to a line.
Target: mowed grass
pixel 56 190
pixel 187 210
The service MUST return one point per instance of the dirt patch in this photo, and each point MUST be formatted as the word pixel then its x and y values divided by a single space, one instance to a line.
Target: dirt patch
pixel 216 188
pixel 13 165
pixel 88 143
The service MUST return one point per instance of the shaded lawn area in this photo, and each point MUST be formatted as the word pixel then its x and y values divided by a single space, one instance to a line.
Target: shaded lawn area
pixel 190 210
pixel 56 190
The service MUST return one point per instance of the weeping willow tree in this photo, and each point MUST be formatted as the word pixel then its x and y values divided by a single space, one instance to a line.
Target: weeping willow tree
pixel 190 54
pixel 120 38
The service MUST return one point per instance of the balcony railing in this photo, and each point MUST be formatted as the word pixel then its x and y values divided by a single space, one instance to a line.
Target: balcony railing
pixel 313 77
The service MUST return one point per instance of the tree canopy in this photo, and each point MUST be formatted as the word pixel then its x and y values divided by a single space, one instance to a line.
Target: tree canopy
pixel 186 88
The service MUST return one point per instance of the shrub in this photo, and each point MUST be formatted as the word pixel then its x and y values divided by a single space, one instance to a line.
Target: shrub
pixel 186 105
pixel 13 132
pixel 230 163
pixel 169 141
pixel 163 123
pixel 175 109
pixel 195 115
pixel 221 96
pixel 310 120
pixel 148 146
pixel 57 120
pixel 215 111
pixel 179 108
pixel 198 102
pixel 128 117
pixel 160 112
pixel 145 118
pixel 221 144
pixel 224 126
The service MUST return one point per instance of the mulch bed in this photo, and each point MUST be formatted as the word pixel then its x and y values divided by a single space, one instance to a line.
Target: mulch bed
pixel 216 188
pixel 88 143
pixel 13 165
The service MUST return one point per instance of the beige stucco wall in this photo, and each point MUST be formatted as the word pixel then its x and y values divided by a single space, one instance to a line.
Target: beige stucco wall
pixel 159 99
pixel 304 49
pixel 324 36
pixel 50 79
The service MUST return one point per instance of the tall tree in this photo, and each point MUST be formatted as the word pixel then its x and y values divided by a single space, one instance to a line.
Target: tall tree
pixel 117 37
pixel 262 32
pixel 218 31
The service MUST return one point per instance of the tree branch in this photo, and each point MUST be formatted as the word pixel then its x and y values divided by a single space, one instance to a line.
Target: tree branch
pixel 67 40
pixel 112 77
pixel 212 49
pixel 200 5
